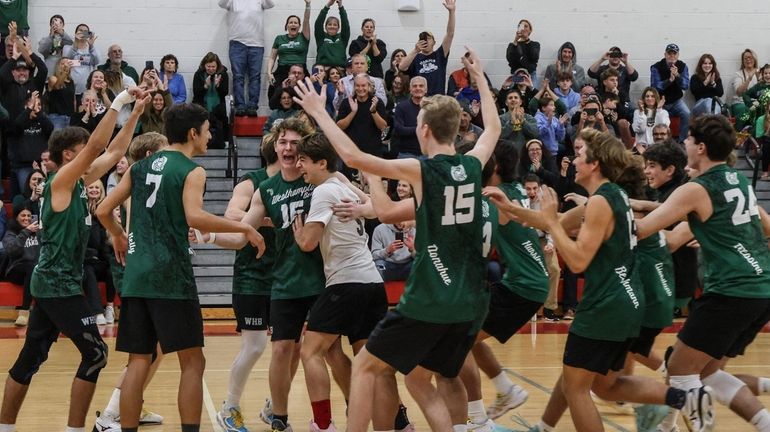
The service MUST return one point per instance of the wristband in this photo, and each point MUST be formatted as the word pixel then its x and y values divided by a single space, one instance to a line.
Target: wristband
pixel 212 238
pixel 122 99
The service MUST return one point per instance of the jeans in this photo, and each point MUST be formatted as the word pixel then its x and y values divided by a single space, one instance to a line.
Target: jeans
pixel 246 61
pixel 393 271
pixel 706 106
pixel 18 177
pixel 60 121
pixel 679 109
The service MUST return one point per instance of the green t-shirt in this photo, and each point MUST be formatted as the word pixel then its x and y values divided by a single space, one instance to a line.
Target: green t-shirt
pixel 251 275
pixel 291 50
pixel 519 247
pixel 63 237
pixel 296 273
pixel 449 272
pixel 613 301
pixel 656 272
pixel 158 263
pixel 332 49
pixel 13 10
pixel 735 254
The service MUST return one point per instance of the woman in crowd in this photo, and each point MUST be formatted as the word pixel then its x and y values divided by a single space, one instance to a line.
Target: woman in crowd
pixel 90 112
pixel 172 80
pixel 96 264
pixel 752 96
pixel 33 190
pixel 649 113
pixel 391 73
pixel 538 160
pixel 114 178
pixel 517 126
pixel 210 86
pixel 98 84
pixel 22 251
pixel 374 49
pixel 762 134
pixel 332 35
pixel 288 49
pixel 287 109
pixel 523 52
pixel 85 57
pixel 61 95
pixel 745 78
pixel 151 119
pixel 706 87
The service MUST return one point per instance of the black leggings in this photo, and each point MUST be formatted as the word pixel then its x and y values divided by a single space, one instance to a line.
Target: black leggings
pixel 92 274
pixel 21 274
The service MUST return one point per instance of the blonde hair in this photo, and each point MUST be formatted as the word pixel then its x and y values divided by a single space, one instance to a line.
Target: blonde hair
pixel 608 151
pixel 442 115
pixel 147 142
pixel 92 205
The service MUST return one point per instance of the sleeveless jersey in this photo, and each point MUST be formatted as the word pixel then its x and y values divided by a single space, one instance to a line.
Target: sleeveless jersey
pixel 656 273
pixel 63 237
pixel 158 263
pixel 251 275
pixel 295 273
pixel 489 236
pixel 613 304
pixel 449 272
pixel 735 254
pixel 520 249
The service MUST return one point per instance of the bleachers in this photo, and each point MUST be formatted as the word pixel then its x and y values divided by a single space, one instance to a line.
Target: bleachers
pixel 12 294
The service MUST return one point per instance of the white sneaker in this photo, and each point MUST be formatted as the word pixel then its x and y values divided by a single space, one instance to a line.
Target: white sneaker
pixel 148 417
pixel 698 410
pixel 267 412
pixel 109 314
pixel 22 319
pixel 101 320
pixel 105 423
pixel 487 426
pixel 514 398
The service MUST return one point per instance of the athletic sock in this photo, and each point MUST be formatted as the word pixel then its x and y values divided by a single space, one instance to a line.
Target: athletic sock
pixel 191 428
pixel 476 411
pixel 113 406
pixel 401 421
pixel 670 420
pixel 763 384
pixel 75 429
pixel 460 428
pixel 761 421
pixel 544 427
pixel 7 428
pixel 322 413
pixel 685 382
pixel 502 382
pixel 676 398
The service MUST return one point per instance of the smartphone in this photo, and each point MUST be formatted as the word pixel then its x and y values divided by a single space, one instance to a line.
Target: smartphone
pixel 518 79
pixel 35 218
pixel 423 36
pixel 74 63
pixel 149 64
pixel 316 70
pixel 400 236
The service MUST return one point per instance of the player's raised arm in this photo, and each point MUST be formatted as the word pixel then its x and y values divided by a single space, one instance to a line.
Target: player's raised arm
pixel 487 141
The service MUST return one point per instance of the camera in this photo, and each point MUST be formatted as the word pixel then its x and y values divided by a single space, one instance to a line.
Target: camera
pixel 591 111
pixel 518 79
pixel 423 36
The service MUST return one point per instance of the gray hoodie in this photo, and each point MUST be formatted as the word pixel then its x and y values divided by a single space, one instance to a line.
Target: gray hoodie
pixel 384 235
pixel 578 74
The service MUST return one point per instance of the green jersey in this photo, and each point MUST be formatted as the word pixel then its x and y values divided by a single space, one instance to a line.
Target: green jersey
pixel 656 273
pixel 117 269
pixel 489 237
pixel 449 272
pixel 613 304
pixel 158 263
pixel 291 50
pixel 251 275
pixel 63 237
pixel 519 247
pixel 732 242
pixel 295 273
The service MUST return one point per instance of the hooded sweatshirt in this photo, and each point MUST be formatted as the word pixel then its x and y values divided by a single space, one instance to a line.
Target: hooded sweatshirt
pixel 384 235
pixel 578 74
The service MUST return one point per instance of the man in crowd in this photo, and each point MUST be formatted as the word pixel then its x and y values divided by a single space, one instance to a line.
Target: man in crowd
pixel 672 77
pixel 115 62
pixel 618 60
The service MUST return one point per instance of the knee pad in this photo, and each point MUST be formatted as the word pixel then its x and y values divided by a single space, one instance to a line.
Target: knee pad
pixel 93 355
pixel 33 354
pixel 724 385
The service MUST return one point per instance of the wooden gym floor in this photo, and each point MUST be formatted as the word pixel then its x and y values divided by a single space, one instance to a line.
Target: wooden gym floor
pixel 534 359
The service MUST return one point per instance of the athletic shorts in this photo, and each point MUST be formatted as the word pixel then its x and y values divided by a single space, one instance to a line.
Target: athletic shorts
pixel 642 344
pixel 351 309
pixel 595 355
pixel 288 316
pixel 406 343
pixel 508 312
pixel 722 326
pixel 252 312
pixel 144 322
pixel 68 315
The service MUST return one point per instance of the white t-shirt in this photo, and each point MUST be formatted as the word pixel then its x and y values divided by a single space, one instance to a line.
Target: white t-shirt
pixel 344 244
pixel 245 19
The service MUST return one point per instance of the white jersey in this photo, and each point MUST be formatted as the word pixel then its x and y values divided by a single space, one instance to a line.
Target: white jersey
pixel 347 258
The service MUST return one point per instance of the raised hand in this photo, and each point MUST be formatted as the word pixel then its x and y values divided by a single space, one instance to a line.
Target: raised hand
pixel 353 104
pixel 312 102
pixel 449 5
pixel 472 63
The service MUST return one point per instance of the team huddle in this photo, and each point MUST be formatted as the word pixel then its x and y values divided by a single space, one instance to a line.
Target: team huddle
pixel 305 271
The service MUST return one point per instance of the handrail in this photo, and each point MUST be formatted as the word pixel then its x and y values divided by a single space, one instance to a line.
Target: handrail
pixel 232 148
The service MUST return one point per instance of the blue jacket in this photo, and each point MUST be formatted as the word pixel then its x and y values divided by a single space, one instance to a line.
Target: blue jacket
pixel 550 134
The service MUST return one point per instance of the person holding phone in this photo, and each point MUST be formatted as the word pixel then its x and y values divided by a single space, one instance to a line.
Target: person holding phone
pixel 52 45
pixel 393 250
pixel 523 52
pixel 33 190
pixel 85 56
pixel 618 60
pixel 22 250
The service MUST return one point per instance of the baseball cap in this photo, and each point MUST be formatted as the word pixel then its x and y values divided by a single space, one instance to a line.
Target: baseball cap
pixel 615 52
pixel 21 64
pixel 672 48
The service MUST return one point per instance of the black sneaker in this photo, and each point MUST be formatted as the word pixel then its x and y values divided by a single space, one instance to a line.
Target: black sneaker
pixel 549 316
pixel 252 112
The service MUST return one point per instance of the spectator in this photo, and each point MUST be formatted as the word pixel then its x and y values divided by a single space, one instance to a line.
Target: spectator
pixel 18 80
pixel 46 164
pixel 245 21
pixel 745 78
pixel 12 12
pixel 27 136
pixel 762 134
pixel 319 75
pixel 706 87
pixel 152 119
pixel 96 265
pixel 517 126
pixel 362 117
pixel 61 95
pixel 32 192
pixel 569 97
pixel 546 92
pixel 114 178
pixel 332 36
pixel 426 62
pixel 399 92
pixel 649 114
pixel 459 80
pixel 566 61
pixel 538 160
pixel 374 49
pixel 172 80
pixel 296 73
pixel 393 250
pixel 85 57
pixel 404 137
pixel 115 62
pixel 522 82
pixel 550 126
pixel 467 114
pixel 670 77
pixel 661 133
pixel 117 82
pixel 591 116
pixel 98 84
pixel 52 46
pixel 345 88
pixel 22 250
pixel 617 60
pixel 287 109
pixel 523 52
pixel 609 85
pixel 210 86
pixel 289 49
pixel 753 95
pixel 90 112
pixel 391 73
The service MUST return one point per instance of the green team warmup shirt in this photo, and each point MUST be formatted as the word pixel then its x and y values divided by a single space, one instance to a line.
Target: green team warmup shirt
pixel 656 273
pixel 158 264
pixel 332 50
pixel 449 272
pixel 296 274
pixel 733 244
pixel 291 50
pixel 251 275
pixel 63 237
pixel 520 249
pixel 613 301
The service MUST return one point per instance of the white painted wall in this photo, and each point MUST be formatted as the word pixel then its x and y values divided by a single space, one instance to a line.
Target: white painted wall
pixel 189 28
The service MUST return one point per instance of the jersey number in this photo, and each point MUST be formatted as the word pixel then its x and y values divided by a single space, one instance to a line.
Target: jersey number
pixel 487 231
pixel 288 211
pixel 742 215
pixel 153 179
pixel 458 205
pixel 631 229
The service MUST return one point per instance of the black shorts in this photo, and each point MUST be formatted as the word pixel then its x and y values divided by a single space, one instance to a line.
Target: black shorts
pixel 405 343
pixel 252 312
pixel 642 344
pixel 508 312
pixel 722 326
pixel 351 309
pixel 68 315
pixel 145 322
pixel 595 355
pixel 288 316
